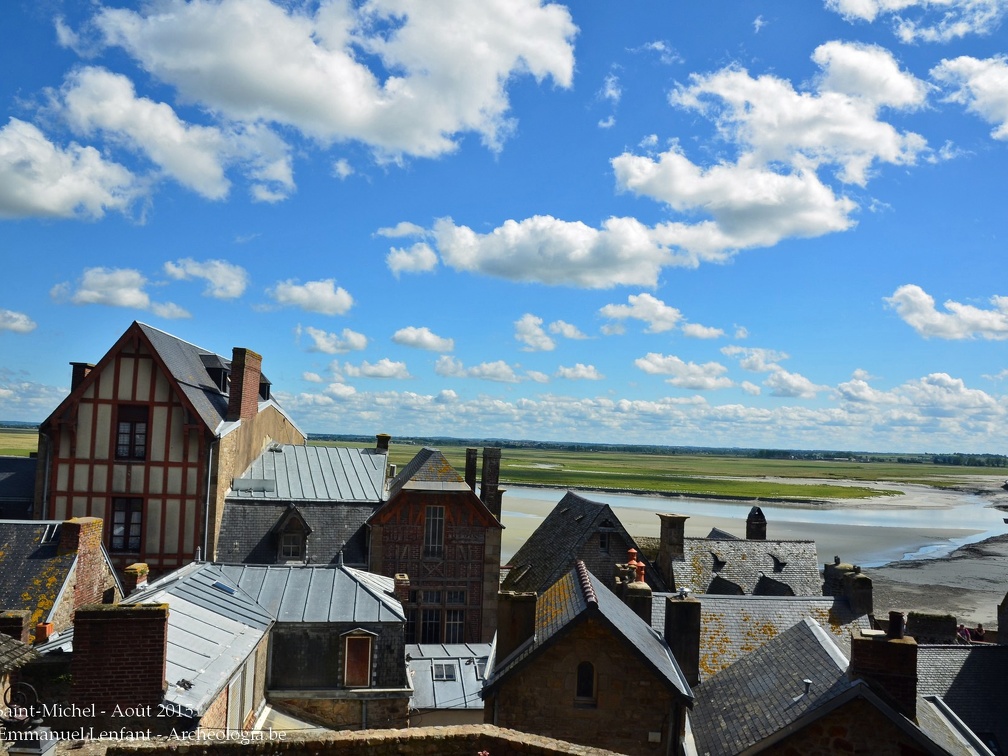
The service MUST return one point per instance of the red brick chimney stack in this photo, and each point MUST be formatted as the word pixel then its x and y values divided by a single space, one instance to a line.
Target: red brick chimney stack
pixel 246 374
pixel 119 655
pixel 402 587
pixel 135 577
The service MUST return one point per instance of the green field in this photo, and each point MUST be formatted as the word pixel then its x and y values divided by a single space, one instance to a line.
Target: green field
pixel 701 475
pixel 15 442
pixel 706 475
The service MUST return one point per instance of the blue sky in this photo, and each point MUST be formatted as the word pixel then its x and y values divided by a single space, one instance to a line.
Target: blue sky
pixel 738 223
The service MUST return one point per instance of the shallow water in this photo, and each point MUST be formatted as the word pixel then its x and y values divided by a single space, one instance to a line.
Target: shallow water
pixel 922 524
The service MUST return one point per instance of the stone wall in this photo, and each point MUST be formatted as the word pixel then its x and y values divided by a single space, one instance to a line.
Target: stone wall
pixel 466 740
pixel 349 713
pixel 633 710
pixel 856 727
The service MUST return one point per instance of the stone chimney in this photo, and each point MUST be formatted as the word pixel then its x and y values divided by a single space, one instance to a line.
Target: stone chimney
pixel 847 581
pixel 135 577
pixel 888 662
pixel 755 525
pixel 132 640
pixel 382 441
pixel 515 621
pixel 470 468
pixel 402 587
pixel 670 546
pixel 638 594
pixel 682 633
pixel 490 480
pixel 246 372
pixel 83 536
pixel 79 371
pixel 16 623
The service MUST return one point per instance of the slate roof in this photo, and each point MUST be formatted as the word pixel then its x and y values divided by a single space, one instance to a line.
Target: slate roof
pixel 763 693
pixel 32 573
pixel 546 555
pixel 427 471
pixel 721 565
pixel 213 626
pixel 460 687
pixel 247 531
pixel 575 597
pixel 17 487
pixel 186 363
pixel 761 699
pixel 15 654
pixel 733 626
pixel 971 681
pixel 304 593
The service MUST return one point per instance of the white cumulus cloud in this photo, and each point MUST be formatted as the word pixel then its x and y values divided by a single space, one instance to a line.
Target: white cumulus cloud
pixel 41 179
pixel 579 372
pixel 307 68
pixel 16 322
pixel 115 287
pixel 314 296
pixel 659 316
pixel 335 343
pixel 688 375
pixel 697 331
pixel 959 321
pixel 498 371
pixel 567 330
pixel 980 85
pixel 224 280
pixel 384 368
pixel 418 258
pixel 529 331
pixel 926 20
pixel 423 338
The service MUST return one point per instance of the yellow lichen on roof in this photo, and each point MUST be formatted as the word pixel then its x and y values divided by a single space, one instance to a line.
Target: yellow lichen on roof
pixel 714 645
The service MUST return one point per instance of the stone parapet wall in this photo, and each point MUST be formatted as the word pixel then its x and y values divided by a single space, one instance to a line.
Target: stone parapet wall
pixel 465 740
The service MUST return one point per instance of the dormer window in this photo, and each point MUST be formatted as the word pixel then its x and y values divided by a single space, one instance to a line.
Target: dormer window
pixel 292 533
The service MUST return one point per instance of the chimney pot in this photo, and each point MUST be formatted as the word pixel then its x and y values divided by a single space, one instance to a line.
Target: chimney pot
pixel 682 633
pixel 755 525
pixel 382 442
pixel 135 577
pixel 470 468
pixel 43 630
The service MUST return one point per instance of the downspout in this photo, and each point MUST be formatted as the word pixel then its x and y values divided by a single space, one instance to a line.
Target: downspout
pixel 206 508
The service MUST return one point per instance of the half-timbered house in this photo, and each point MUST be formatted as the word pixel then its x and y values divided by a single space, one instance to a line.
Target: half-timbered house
pixel 149 439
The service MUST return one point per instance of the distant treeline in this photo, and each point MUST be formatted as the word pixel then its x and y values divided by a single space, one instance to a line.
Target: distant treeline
pixel 820 455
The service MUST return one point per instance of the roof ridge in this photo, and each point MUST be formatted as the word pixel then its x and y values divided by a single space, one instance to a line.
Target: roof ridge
pixel 586 586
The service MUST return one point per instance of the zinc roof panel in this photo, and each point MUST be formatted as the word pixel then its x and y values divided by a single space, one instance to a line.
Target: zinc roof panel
pixel 319 599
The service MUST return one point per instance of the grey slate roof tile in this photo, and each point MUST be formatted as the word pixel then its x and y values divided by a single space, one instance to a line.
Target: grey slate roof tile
pixel 763 692
pixel 733 626
pixel 971 680
pixel 32 573
pixel 14 654
pixel 429 469
pixel 561 536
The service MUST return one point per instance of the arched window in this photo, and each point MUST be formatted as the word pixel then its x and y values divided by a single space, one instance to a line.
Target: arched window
pixel 585 693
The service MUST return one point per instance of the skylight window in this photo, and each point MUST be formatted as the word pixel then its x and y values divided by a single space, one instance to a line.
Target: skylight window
pixel 444 672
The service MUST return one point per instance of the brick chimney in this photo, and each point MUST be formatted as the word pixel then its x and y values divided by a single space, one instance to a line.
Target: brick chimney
pixel 888 662
pixel 382 441
pixel 246 372
pixel 682 633
pixel 16 623
pixel 470 469
pixel 670 546
pixel 490 479
pixel 515 621
pixel 119 655
pixel 755 525
pixel 402 587
pixel 83 536
pixel 79 371
pixel 135 577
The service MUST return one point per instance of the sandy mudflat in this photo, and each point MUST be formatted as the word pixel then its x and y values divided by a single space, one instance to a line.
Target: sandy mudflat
pixel 969 583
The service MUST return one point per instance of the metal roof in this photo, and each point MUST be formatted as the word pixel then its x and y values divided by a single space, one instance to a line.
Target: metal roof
pixel 213 626
pixel 316 593
pixel 287 472
pixel 461 668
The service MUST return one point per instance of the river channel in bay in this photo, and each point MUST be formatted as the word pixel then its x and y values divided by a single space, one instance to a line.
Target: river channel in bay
pixel 922 523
